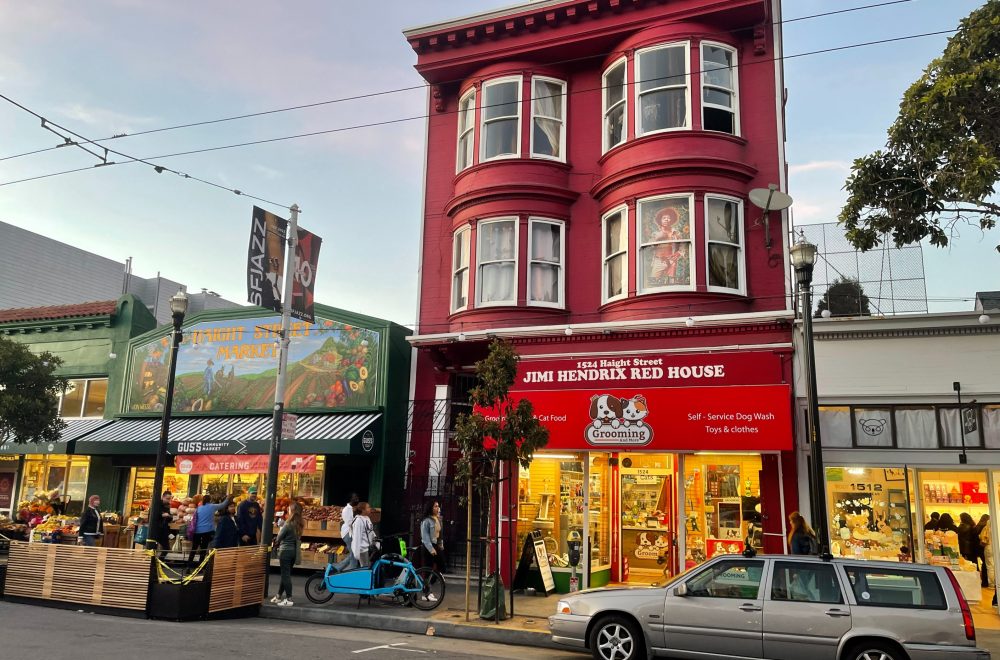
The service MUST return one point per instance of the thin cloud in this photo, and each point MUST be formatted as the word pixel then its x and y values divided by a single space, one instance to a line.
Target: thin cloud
pixel 108 120
pixel 819 165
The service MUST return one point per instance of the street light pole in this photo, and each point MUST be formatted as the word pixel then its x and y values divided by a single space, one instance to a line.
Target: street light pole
pixel 178 308
pixel 803 256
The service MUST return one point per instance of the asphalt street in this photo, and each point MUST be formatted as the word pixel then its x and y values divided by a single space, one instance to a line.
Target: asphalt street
pixel 37 632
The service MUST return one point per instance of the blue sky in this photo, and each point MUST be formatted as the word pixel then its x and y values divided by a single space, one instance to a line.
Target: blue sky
pixel 112 66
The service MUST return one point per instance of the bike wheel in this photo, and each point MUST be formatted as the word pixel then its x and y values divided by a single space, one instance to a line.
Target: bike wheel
pixel 432 594
pixel 316 590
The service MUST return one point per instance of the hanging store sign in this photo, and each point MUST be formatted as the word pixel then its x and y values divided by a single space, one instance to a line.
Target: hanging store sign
pixel 255 464
pixel 304 278
pixel 266 259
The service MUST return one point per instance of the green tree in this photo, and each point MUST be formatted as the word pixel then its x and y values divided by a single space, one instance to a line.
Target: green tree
pixel 941 162
pixel 29 395
pixel 844 297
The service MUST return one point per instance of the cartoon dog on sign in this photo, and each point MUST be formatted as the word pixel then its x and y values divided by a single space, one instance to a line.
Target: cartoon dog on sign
pixel 605 409
pixel 634 410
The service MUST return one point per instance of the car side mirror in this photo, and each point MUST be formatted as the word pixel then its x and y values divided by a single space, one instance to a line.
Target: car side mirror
pixel 681 590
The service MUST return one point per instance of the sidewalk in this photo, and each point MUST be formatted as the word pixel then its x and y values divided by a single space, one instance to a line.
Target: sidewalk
pixel 528 627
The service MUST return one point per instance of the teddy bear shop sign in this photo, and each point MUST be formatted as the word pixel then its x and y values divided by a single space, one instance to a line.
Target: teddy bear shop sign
pixel 717 401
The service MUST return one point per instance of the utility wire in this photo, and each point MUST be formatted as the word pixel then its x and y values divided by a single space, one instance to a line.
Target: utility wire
pixel 160 169
pixel 426 116
pixel 398 90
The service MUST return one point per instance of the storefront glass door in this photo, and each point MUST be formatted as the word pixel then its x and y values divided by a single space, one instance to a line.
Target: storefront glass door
pixel 648 515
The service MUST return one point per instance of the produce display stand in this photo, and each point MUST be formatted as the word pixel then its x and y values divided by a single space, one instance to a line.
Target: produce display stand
pixel 58 574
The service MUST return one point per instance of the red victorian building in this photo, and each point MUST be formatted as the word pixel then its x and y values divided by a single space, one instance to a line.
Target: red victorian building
pixel 586 197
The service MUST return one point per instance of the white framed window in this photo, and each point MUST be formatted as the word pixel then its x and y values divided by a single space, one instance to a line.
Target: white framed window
pixel 466 130
pixel 662 96
pixel 614 82
pixel 460 270
pixel 546 259
pixel 719 89
pixel 496 257
pixel 548 118
pixel 666 231
pixel 614 242
pixel 724 244
pixel 501 119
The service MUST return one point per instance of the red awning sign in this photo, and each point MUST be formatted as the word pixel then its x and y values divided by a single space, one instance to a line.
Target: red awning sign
pixel 245 464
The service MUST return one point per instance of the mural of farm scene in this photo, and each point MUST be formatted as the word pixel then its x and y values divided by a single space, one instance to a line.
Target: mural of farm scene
pixel 231 365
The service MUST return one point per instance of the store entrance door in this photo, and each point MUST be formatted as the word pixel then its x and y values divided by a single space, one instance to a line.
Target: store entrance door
pixel 648 515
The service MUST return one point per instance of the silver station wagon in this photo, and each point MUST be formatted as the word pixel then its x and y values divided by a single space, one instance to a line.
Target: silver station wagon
pixel 777 607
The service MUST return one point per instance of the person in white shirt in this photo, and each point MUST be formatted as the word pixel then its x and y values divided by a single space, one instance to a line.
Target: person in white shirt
pixel 362 534
pixel 347 515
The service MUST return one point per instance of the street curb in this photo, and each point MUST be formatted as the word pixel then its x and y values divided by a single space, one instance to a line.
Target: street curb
pixel 413 626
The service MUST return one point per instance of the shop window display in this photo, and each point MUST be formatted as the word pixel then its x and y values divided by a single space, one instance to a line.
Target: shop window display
pixel 647 513
pixel 721 505
pixel 869 512
pixel 142 488
pixel 61 480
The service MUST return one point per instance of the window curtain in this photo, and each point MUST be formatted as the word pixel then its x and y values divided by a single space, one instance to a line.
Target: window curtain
pixel 991 426
pixel 835 427
pixel 916 428
pixel 951 429
pixel 498 282
pixel 544 283
pixel 873 427
pixel 548 103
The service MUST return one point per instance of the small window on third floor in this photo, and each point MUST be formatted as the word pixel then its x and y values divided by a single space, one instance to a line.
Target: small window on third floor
pixel 615 249
pixel 466 129
pixel 548 119
pixel 661 89
pixel 724 218
pixel 460 270
pixel 615 81
pixel 496 256
pixel 719 89
pixel 545 262
pixel 501 118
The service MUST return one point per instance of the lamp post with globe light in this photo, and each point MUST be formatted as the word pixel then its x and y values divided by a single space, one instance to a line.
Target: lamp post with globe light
pixel 803 257
pixel 178 308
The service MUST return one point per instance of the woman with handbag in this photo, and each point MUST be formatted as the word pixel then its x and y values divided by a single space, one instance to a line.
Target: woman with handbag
pixel 287 547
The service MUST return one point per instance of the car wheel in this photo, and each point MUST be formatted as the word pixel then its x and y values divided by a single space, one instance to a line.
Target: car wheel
pixel 617 638
pixel 875 651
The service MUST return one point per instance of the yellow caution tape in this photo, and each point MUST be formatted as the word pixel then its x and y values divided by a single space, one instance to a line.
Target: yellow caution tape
pixel 183 579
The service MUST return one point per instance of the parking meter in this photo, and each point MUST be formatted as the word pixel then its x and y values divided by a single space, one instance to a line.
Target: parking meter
pixel 574 544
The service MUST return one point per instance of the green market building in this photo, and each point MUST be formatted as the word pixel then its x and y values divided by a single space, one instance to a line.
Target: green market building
pixel 348 379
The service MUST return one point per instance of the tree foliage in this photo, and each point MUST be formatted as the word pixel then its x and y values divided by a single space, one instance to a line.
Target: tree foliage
pixel 941 163
pixel 844 297
pixel 29 395
pixel 498 429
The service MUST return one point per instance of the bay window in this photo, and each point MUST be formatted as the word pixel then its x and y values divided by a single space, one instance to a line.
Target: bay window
pixel 662 89
pixel 719 89
pixel 615 254
pixel 546 254
pixel 496 255
pixel 724 220
pixel 460 270
pixel 466 129
pixel 501 118
pixel 614 82
pixel 665 235
pixel 548 119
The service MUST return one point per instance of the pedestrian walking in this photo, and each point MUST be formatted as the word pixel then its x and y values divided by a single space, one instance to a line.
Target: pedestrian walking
pixel 347 515
pixel 204 530
pixel 431 543
pixel 160 529
pixel 362 534
pixel 91 525
pixel 968 538
pixel 250 518
pixel 226 532
pixel 287 545
pixel 802 539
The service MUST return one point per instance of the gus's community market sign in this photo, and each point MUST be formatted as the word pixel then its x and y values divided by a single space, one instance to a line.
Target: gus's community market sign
pixel 230 365
pixel 666 402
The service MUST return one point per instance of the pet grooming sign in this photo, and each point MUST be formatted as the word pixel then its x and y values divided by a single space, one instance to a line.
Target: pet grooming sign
pixel 664 402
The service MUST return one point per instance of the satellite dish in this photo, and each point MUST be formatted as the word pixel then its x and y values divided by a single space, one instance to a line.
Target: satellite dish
pixel 769 199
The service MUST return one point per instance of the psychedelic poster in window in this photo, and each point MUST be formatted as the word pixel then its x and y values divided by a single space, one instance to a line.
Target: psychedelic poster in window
pixel 231 365
pixel 665 239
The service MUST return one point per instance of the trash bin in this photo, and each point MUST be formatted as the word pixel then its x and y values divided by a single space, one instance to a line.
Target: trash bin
pixel 493 595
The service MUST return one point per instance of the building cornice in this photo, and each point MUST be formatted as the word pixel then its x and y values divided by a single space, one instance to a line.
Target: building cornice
pixel 951 324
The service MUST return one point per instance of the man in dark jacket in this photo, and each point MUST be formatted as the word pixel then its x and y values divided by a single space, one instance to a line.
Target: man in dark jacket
pixel 91 525
pixel 160 530
pixel 250 519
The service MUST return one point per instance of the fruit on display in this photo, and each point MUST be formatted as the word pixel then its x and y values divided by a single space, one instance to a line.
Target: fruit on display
pixel 320 513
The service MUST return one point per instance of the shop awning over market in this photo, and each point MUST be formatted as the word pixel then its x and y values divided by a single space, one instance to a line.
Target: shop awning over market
pixel 345 433
pixel 75 429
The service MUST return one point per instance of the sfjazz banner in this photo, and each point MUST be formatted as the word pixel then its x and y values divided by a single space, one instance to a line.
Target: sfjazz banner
pixel 306 259
pixel 266 259
pixel 665 402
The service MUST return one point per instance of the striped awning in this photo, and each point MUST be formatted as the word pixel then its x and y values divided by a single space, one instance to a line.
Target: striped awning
pixel 75 429
pixel 333 433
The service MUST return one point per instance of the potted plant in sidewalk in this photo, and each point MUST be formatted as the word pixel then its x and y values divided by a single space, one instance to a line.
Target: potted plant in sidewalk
pixel 501 430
